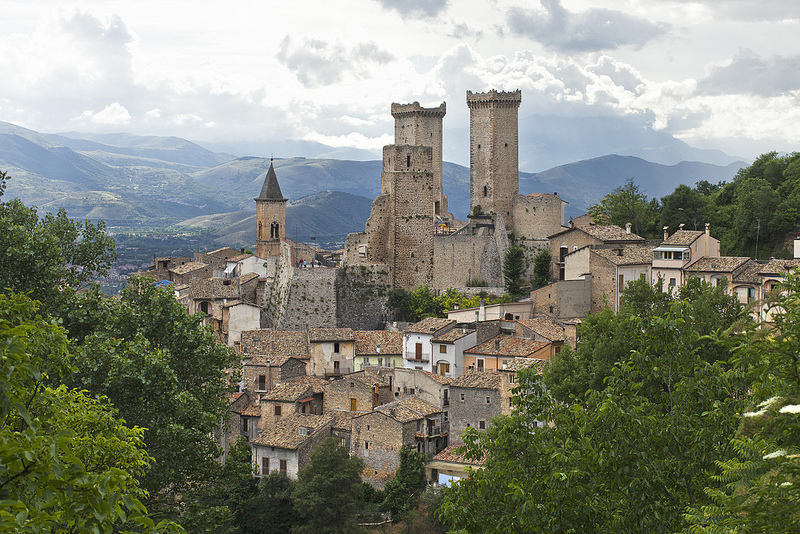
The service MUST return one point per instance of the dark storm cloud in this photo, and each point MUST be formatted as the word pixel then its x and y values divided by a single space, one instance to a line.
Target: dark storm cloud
pixel 750 73
pixel 593 29
pixel 415 8
pixel 319 63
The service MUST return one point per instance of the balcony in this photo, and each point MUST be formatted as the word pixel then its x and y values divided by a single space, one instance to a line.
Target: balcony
pixel 413 357
pixel 430 432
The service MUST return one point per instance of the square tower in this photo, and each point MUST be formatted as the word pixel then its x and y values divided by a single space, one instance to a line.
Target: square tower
pixel 418 126
pixel 494 152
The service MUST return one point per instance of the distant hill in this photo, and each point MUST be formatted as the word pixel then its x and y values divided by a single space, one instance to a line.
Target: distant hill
pixel 323 218
pixel 127 179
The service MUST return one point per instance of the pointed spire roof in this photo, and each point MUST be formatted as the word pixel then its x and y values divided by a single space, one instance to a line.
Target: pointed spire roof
pixel 271 190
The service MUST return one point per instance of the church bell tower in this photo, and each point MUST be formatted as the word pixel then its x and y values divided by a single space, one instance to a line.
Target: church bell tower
pixel 270 216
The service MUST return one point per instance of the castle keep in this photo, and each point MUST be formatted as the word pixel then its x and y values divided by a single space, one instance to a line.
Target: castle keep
pixel 410 232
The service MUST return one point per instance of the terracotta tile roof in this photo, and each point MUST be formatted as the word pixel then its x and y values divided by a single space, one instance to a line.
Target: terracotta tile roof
pixel 717 264
pixel 627 255
pixel 296 389
pixel 749 274
pixel 330 334
pixel 275 342
pixel 429 325
pixel 240 257
pixel 502 345
pixel 285 432
pixel 444 380
pixel 478 379
pixel 341 419
pixel 236 396
pixel 251 410
pixel 683 237
pixel 276 360
pixel 408 409
pixel 452 335
pixel 610 233
pixel 778 267
pixel 368 376
pixel 189 267
pixel 449 455
pixel 545 327
pixel 367 342
pixel 517 364
pixel 224 252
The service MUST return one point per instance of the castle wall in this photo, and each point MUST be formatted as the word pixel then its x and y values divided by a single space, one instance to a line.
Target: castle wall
pixel 361 293
pixel 311 302
pixel 538 216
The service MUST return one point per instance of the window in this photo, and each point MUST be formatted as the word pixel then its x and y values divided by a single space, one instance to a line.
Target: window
pixel 380 362
pixel 485 189
pixel 343 443
pixel 672 282
pixel 262 383
pixel 283 466
pixel 408 160
pixel 277 411
pixel 442 349
pixel 621 283
pixel 488 400
pixel 336 367
pixel 511 379
pixel 353 404
pixel 245 425
pixel 264 466
pixel 446 416
pixel 444 368
pixel 482 425
pixel 511 403
pixel 366 445
pixel 480 364
pixel 418 351
pixel 304 431
pixel 335 347
pixel 462 396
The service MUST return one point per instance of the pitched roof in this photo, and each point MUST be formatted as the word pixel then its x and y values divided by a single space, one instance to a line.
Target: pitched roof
pixel 478 379
pixel 285 432
pixel 610 233
pixel 368 376
pixel 749 274
pixel 330 334
pixel 452 335
pixel 444 380
pixel 270 190
pixel 429 325
pixel 275 360
pixel 407 409
pixel 294 390
pixel 517 364
pixel 683 237
pixel 275 342
pixel 217 288
pixel 503 345
pixel 545 327
pixel 717 264
pixel 627 255
pixel 449 455
pixel 189 267
pixel 778 267
pixel 378 342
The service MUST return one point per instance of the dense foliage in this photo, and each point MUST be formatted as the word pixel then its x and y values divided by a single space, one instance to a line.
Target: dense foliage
pixel 413 306
pixel 756 214
pixel 408 480
pixel 514 271
pixel 542 269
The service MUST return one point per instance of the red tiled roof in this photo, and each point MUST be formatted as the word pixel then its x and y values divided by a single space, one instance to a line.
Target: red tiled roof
pixel 377 342
pixel 502 345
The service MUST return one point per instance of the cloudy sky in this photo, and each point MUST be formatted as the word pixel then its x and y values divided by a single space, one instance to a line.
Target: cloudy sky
pixel 715 73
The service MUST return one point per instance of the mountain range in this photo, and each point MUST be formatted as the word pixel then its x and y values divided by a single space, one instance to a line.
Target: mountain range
pixel 149 181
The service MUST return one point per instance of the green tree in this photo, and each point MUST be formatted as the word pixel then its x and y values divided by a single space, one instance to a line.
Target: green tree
pixel 164 371
pixel 542 269
pixel 685 206
pixel 513 271
pixel 626 204
pixel 629 458
pixel 409 479
pixel 758 488
pixel 49 257
pixel 67 464
pixel 327 489
pixel 271 510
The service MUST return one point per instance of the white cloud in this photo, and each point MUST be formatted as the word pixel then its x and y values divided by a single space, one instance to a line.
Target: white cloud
pixel 112 114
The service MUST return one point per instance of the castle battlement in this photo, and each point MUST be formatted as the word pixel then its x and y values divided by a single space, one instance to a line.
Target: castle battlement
pixel 494 98
pixel 402 110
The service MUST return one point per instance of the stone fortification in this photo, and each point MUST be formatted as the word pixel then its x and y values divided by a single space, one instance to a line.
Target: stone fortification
pixel 494 152
pixel 415 125
pixel 361 296
pixel 311 301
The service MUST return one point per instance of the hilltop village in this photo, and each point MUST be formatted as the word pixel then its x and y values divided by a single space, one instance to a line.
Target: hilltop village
pixel 320 356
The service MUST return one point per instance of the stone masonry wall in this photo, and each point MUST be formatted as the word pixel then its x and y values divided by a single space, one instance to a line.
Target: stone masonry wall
pixel 377 439
pixel 471 410
pixel 494 153
pixel 311 301
pixel 536 217
pixel 361 293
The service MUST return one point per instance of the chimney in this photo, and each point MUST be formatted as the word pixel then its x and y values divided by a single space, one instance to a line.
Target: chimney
pixel 497 344
pixel 666 233
pixel 628 228
pixel 680 227
pixel 708 228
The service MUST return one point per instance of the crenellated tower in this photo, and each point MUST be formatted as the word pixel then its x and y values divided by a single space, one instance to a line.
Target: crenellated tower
pixel 418 126
pixel 270 216
pixel 494 152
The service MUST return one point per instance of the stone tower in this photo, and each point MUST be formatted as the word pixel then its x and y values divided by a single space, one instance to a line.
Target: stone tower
pixel 270 216
pixel 418 126
pixel 494 152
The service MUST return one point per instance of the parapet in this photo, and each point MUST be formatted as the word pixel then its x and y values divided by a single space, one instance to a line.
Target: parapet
pixel 496 98
pixel 405 110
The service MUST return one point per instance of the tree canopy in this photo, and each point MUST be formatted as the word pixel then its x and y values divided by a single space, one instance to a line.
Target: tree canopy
pixel 514 271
